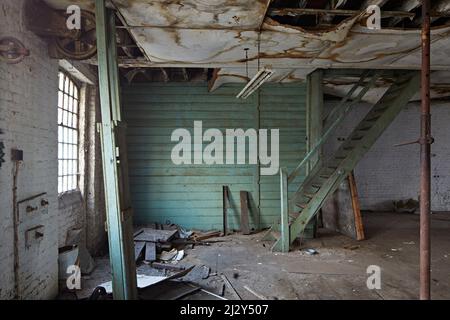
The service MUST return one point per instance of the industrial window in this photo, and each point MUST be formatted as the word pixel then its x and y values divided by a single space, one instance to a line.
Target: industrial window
pixel 68 108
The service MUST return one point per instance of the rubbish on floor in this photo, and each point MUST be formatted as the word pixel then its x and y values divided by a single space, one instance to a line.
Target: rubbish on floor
pixel 230 287
pixel 311 251
pixel 406 206
pixel 138 248
pixel 184 234
pixel 205 272
pixel 168 290
pixel 260 297
pixel 168 255
pixel 167 266
pixel 207 235
pixel 150 251
pixel 179 255
pixel 142 282
pixel 198 273
pixel 153 235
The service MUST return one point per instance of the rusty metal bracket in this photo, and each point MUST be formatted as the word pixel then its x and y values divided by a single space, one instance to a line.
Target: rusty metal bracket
pixel 429 140
pixel 12 51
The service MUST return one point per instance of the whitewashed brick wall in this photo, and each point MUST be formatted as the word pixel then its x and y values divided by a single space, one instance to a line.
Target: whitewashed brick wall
pixel 388 173
pixel 28 98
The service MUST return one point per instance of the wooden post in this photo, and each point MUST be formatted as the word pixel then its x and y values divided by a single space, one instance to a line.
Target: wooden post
pixel 359 228
pixel 225 209
pixel 120 249
pixel 284 211
pixel 245 227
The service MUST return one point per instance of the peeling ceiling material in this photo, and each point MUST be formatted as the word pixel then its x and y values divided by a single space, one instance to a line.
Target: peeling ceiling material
pixel 215 34
pixel 194 14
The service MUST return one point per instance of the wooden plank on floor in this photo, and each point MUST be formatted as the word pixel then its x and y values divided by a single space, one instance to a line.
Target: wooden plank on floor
pixel 138 247
pixel 152 235
pixel 150 251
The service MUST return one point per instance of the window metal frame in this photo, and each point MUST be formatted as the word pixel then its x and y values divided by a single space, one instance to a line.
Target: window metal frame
pixel 63 142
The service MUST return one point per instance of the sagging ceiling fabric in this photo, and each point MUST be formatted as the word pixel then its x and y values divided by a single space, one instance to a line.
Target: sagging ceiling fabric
pixel 216 34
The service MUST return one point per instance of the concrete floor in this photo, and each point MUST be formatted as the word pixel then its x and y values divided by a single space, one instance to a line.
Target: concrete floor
pixel 337 271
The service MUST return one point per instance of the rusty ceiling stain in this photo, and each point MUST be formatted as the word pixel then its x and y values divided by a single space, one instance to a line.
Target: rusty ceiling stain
pixel 214 34
pixel 194 14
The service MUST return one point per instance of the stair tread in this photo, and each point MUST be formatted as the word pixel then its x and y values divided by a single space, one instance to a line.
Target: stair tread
pixel 377 119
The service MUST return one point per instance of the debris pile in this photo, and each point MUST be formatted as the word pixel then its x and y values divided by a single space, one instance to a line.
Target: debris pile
pixel 166 272
pixel 162 245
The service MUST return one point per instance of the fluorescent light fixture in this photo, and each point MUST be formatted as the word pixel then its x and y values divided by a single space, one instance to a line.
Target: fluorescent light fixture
pixel 261 77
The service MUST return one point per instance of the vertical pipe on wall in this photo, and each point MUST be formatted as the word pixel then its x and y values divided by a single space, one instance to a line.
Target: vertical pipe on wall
pixel 425 148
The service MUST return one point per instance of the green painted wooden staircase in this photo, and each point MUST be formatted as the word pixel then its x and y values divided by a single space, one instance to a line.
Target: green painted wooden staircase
pixel 324 179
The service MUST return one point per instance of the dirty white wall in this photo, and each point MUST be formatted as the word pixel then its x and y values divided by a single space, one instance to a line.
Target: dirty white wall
pixel 28 119
pixel 388 173
pixel 28 98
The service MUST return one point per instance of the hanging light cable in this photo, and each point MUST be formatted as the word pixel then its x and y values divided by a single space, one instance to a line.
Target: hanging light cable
pixel 260 77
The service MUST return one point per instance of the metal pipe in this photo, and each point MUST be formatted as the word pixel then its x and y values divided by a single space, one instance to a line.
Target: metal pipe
pixel 425 159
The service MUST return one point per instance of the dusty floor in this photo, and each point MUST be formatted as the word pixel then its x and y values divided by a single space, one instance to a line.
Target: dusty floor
pixel 337 271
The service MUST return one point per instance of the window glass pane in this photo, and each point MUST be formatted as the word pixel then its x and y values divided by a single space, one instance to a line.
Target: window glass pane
pixel 74 136
pixel 69 121
pixel 61 81
pixel 66 84
pixel 60 99
pixel 59 151
pixel 69 167
pixel 71 88
pixel 72 182
pixel 66 102
pixel 59 168
pixel 69 104
pixel 59 116
pixel 70 152
pixel 68 107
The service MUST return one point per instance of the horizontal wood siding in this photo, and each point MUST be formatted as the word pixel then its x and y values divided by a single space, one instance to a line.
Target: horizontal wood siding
pixel 191 195
pixel 282 107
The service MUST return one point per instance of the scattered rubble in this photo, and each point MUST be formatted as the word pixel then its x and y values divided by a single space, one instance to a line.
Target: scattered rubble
pixel 161 249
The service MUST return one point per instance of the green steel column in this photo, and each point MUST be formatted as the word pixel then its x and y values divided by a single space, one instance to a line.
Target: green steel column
pixel 122 263
pixel 314 114
pixel 284 210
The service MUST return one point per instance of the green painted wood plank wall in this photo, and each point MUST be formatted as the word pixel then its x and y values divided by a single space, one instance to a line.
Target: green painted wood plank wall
pixel 191 195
